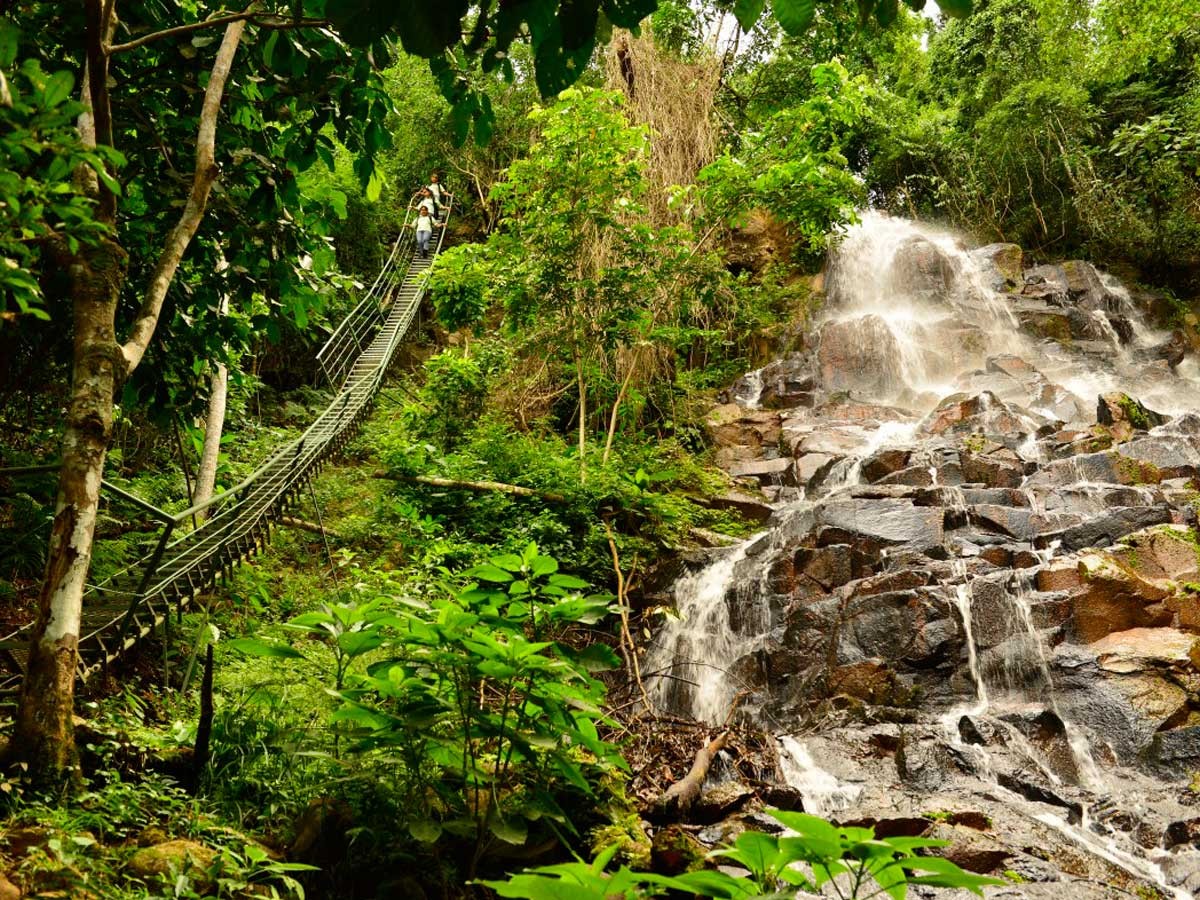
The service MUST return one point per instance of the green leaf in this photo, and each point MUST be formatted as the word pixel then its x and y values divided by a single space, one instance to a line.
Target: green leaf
pixel 425 830
pixel 570 582
pixel 272 649
pixel 795 16
pixel 748 12
pixel 959 9
pixel 361 21
pixel 9 37
pixel 628 13
pixel 427 29
pixel 511 831
pixel 510 562
pixel 489 572
pixel 58 89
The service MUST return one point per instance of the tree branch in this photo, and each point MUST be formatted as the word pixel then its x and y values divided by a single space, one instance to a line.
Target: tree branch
pixel 499 486
pixel 264 20
pixel 193 211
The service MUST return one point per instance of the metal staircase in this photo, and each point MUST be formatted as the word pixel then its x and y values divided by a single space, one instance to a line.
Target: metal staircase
pixel 128 606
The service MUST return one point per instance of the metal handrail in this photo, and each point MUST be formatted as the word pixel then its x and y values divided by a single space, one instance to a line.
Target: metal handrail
pixel 178 558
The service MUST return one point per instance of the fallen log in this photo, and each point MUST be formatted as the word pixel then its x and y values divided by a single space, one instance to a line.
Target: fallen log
pixel 305 525
pixel 516 490
pixel 677 801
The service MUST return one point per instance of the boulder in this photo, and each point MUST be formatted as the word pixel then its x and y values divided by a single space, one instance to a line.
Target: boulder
pixel 746 505
pixel 732 425
pixel 1139 649
pixel 983 413
pixel 883 463
pixel 1002 265
pixel 1152 458
pixel 719 800
pixel 888 521
pixel 1107 527
pixel 920 268
pixel 1111 598
pixel 811 468
pixel 182 856
pixel 1122 415
pixel 765 471
pixel 860 355
pixel 1163 555
pixel 997 470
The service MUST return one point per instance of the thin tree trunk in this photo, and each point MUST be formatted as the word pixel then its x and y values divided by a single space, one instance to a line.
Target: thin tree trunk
pixel 582 416
pixel 214 426
pixel 43 736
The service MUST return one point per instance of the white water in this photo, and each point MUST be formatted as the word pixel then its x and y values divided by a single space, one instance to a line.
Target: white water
pixel 824 794
pixel 693 653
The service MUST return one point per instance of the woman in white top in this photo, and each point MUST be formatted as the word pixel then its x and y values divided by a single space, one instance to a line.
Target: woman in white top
pixel 424 225
pixel 441 196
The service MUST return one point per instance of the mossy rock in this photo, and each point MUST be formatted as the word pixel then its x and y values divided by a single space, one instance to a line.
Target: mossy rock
pixel 674 851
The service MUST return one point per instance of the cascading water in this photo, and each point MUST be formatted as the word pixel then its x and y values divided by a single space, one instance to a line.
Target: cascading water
pixel 948 458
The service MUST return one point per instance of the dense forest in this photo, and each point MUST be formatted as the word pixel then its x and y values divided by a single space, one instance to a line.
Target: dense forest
pixel 599 449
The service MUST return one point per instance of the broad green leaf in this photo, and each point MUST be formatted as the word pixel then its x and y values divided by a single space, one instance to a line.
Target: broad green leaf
pixel 425 830
pixel 273 649
pixel 489 572
pixel 795 16
pixel 959 9
pixel 748 12
pixel 511 831
pixel 58 89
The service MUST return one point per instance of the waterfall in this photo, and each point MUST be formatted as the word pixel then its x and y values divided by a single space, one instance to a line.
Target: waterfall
pixel 945 483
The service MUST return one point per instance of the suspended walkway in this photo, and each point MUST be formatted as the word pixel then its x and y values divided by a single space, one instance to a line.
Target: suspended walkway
pixel 126 607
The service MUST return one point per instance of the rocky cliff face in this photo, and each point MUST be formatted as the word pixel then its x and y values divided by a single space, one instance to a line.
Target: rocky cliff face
pixel 978 592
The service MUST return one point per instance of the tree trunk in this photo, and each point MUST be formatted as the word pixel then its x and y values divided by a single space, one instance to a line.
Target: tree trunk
pixel 43 735
pixel 582 416
pixel 214 426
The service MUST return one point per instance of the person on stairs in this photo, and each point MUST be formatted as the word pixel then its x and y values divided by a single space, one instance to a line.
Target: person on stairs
pixel 425 198
pixel 424 225
pixel 441 196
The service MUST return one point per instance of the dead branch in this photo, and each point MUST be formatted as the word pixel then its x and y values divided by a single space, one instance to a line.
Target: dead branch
pixel 677 801
pixel 305 525
pixel 516 490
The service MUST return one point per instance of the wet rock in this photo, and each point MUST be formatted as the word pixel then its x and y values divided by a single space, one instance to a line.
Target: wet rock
pixel 871 681
pixel 1077 282
pixel 1150 459
pixel 1061 403
pixel 923 763
pixel 812 468
pixel 922 269
pixel 860 355
pixel 719 800
pixel 1002 265
pixel 994 470
pixel 1107 528
pixel 883 463
pixel 970 850
pixel 673 851
pixel 766 471
pixel 1072 327
pixel 1139 649
pixel 732 425
pixel 1026 784
pixel 1171 351
pixel 1186 831
pixel 984 413
pixel 914 476
pixel 1123 415
pixel 889 521
pixel 830 566
pixel 1177 746
pixel 744 504
pixel 788 392
pixel 187 857
pixel 1110 598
